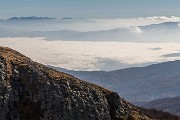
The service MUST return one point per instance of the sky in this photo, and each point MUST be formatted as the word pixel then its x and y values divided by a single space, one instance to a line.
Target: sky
pixel 89 8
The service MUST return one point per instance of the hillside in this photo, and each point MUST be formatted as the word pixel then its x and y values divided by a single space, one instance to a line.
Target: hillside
pixel 159 115
pixel 31 91
pixel 139 83
pixel 171 105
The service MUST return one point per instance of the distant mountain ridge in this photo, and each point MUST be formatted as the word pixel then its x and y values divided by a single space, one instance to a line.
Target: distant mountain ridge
pixel 30 18
pixel 127 34
pixel 164 25
pixel 138 83
pixel 171 105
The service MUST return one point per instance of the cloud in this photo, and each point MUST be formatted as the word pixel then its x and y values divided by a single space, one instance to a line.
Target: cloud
pixel 164 18
pixel 179 24
pixel 136 29
pixel 91 55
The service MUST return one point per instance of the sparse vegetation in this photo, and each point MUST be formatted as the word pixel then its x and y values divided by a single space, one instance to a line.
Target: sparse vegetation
pixel 158 115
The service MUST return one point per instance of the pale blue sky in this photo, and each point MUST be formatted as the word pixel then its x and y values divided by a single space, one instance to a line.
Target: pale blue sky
pixel 89 8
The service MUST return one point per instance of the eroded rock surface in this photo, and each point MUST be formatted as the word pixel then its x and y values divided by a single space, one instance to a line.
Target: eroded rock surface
pixel 31 91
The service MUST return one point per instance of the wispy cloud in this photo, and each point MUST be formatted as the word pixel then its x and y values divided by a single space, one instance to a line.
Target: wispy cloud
pixel 163 18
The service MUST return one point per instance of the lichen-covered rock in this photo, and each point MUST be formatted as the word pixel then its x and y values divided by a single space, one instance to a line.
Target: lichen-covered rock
pixel 31 91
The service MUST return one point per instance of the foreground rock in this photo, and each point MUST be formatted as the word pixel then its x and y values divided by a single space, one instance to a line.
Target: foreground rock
pixel 31 91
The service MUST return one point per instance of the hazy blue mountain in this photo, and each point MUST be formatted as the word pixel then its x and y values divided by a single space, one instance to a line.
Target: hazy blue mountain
pixel 170 55
pixel 67 18
pixel 171 105
pixel 29 18
pixel 165 25
pixel 138 83
pixel 58 29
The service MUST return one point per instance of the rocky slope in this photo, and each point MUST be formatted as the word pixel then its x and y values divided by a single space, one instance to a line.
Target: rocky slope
pixel 31 91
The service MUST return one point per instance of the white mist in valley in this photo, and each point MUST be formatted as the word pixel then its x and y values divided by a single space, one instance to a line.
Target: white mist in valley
pixel 94 44
pixel 79 55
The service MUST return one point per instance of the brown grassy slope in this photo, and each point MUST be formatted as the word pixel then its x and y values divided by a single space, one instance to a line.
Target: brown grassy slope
pixel 158 115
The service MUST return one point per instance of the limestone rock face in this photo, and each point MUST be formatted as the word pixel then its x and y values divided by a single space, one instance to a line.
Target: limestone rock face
pixel 31 91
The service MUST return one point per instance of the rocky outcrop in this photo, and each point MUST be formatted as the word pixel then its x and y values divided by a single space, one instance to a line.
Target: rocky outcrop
pixel 31 91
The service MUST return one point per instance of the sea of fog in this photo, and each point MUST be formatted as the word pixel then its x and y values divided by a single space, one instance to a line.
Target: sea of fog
pixel 94 44
pixel 79 55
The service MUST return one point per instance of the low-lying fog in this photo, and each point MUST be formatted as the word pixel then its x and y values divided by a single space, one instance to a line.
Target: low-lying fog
pixel 79 55
pixel 94 44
